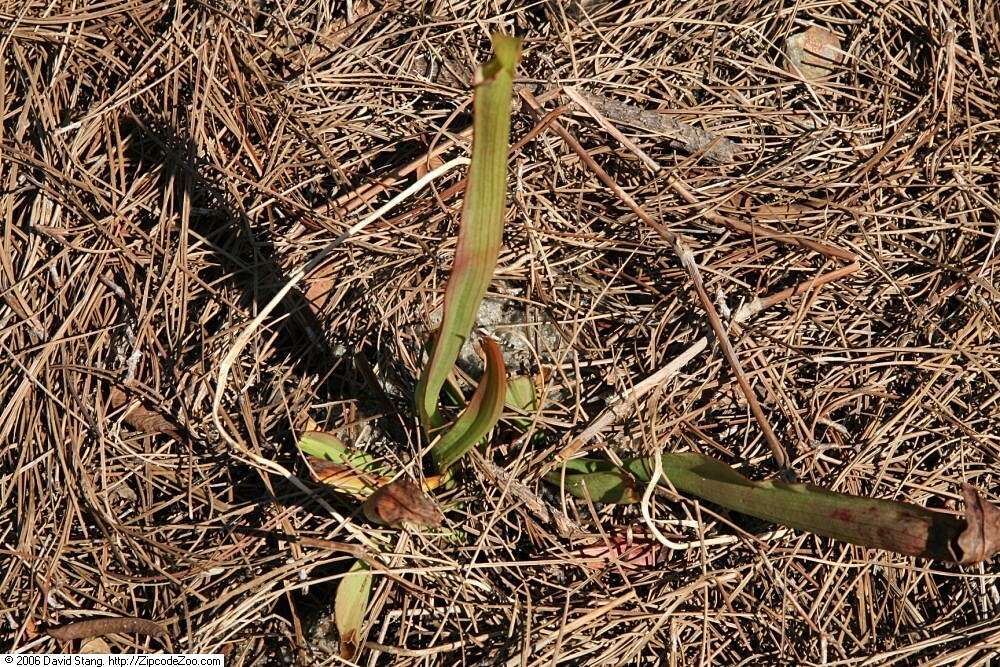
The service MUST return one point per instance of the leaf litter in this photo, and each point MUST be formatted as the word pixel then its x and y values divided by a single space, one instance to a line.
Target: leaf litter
pixel 192 194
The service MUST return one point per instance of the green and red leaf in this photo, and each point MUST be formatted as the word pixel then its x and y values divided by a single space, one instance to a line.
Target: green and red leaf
pixel 481 227
pixel 870 522
pixel 480 415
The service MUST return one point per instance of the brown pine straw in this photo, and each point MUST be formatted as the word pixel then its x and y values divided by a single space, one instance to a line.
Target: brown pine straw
pixel 620 406
pixel 615 410
pixel 159 163
pixel 687 260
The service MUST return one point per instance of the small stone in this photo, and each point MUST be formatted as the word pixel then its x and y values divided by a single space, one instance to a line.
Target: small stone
pixel 523 340
pixel 814 53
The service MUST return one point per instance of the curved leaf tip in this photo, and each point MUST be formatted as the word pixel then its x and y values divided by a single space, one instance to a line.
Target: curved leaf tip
pixel 480 415
pixel 506 52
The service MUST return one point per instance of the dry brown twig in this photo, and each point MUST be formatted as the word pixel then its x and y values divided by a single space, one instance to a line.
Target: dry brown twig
pixel 567 528
pixel 681 135
pixel 622 405
pixel 99 627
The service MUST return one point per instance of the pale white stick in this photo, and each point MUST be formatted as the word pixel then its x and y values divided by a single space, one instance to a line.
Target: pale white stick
pixel 695 544
pixel 647 496
pixel 621 405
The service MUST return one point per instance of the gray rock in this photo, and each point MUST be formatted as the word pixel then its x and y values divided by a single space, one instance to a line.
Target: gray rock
pixel 526 340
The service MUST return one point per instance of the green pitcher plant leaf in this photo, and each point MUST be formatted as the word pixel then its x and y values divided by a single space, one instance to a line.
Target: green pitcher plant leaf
pixel 522 400
pixel 329 447
pixel 345 469
pixel 883 524
pixel 480 415
pixel 480 228
pixel 348 470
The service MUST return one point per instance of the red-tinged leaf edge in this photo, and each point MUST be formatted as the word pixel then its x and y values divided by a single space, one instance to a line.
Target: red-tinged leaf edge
pixel 480 415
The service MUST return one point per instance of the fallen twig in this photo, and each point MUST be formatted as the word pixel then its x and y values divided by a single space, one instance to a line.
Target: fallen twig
pixel 622 405
pixel 686 137
pixel 99 627
pixel 566 527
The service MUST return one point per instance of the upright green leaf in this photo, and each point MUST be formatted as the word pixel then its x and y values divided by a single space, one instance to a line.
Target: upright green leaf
pixel 481 225
pixel 349 607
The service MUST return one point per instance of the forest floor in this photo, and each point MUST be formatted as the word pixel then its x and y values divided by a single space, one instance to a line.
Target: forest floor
pixel 166 166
